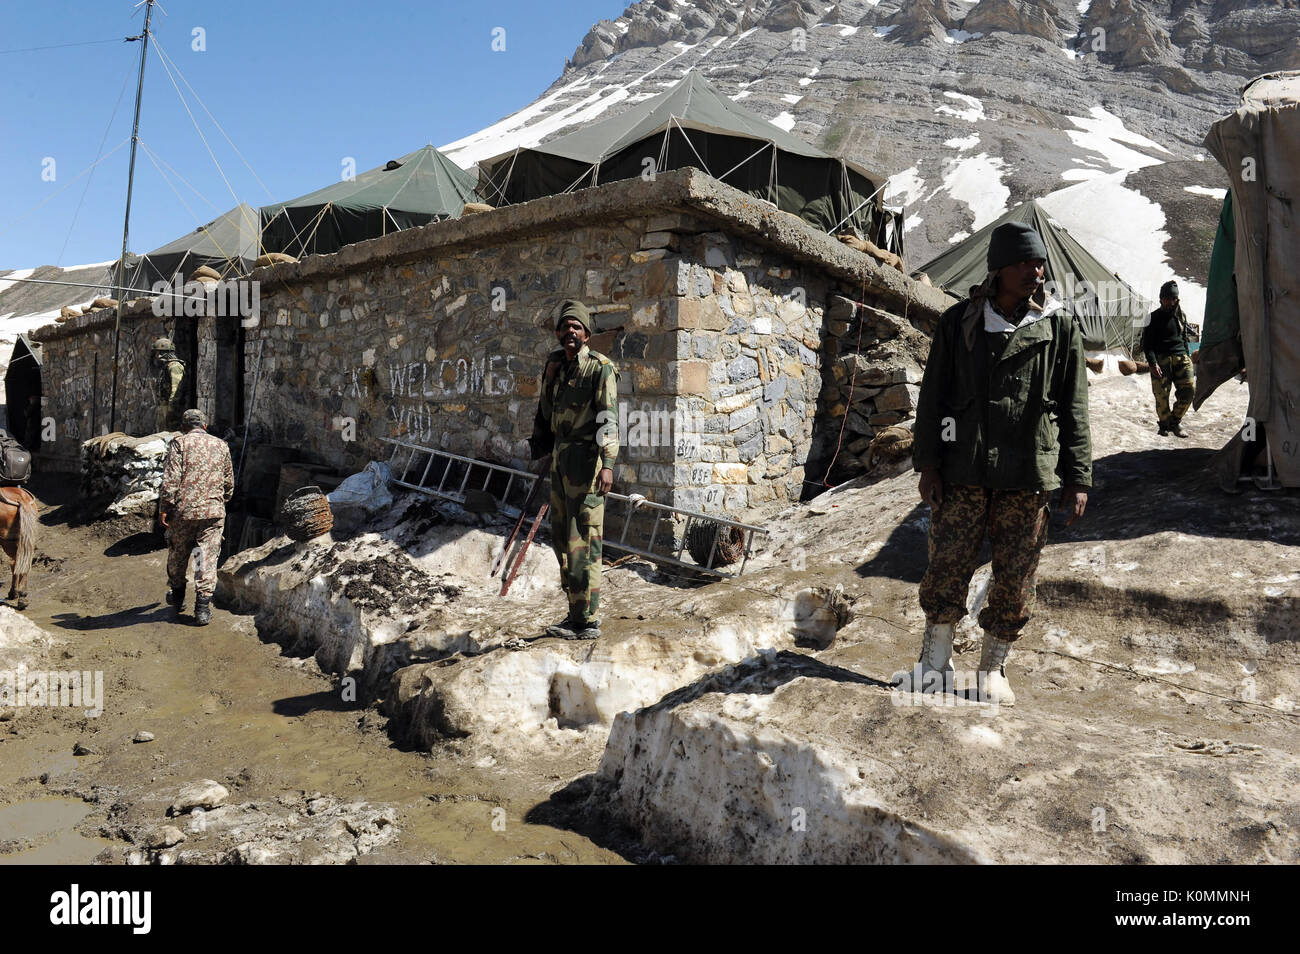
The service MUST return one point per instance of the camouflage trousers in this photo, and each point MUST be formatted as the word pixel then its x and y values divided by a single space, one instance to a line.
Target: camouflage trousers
pixel 184 536
pixel 1015 522
pixel 577 526
pixel 1176 373
pixel 166 418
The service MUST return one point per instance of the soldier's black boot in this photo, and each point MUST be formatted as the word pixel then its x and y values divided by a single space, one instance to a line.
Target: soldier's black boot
pixel 564 629
pixel 202 611
pixel 176 599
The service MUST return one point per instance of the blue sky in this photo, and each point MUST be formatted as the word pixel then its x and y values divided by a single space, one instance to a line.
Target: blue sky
pixel 296 85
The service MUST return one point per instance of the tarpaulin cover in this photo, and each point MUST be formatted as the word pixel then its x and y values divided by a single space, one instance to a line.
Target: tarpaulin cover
pixel 1258 145
pixel 1220 356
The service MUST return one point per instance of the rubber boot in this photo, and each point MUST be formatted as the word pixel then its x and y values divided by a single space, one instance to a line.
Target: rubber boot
pixel 992 677
pixel 202 610
pixel 933 672
pixel 176 599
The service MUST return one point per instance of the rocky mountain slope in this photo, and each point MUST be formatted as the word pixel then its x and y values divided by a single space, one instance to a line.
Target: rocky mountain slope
pixel 970 105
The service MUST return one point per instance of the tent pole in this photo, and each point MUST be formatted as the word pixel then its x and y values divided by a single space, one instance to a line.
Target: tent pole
pixel 126 224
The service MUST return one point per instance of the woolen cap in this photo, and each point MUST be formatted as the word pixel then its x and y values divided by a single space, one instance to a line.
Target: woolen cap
pixel 1012 243
pixel 576 310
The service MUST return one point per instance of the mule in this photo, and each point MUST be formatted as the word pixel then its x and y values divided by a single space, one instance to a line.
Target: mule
pixel 18 525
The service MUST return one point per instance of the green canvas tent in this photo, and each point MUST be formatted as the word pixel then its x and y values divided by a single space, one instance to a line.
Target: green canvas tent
pixel 693 124
pixel 421 187
pixel 1108 310
pixel 227 244
pixel 1220 353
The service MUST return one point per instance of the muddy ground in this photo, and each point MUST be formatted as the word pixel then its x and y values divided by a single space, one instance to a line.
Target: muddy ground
pixel 310 777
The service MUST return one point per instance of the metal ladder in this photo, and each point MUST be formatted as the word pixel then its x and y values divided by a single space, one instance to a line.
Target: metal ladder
pixel 411 466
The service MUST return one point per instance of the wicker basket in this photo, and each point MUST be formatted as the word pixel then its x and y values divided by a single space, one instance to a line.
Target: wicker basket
pixel 700 537
pixel 305 514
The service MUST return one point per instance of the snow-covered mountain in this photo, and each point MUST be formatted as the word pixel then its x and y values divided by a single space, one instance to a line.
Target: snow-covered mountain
pixel 1098 107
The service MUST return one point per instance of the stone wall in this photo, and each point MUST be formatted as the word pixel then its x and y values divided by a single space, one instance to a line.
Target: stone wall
pixel 77 374
pixel 713 304
pixel 871 381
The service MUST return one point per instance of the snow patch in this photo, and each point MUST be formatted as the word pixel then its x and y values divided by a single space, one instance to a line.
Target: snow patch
pixel 972 111
pixel 1089 211
pixel 784 121
pixel 885 30
pixel 12 278
pixel 1104 133
pixel 958 237
pixel 904 188
pixel 960 36
pixel 848 30
pixel 1206 191
pixel 961 145
pixel 790 98
pixel 977 181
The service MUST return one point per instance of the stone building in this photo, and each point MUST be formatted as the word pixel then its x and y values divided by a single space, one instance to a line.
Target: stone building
pixel 751 347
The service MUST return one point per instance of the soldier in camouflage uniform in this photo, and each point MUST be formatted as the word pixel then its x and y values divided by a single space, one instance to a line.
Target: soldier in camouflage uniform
pixel 577 425
pixel 1001 422
pixel 197 481
pixel 171 386
pixel 1164 342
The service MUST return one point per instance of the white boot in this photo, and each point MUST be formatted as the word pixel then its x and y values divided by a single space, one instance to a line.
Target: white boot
pixel 992 676
pixel 933 671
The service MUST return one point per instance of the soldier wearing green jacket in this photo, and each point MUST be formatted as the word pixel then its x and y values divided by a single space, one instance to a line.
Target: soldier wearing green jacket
pixel 1001 422
pixel 577 426
pixel 1164 343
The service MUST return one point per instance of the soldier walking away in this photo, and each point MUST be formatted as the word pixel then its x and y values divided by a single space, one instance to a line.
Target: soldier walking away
pixel 197 482
pixel 1001 421
pixel 577 426
pixel 171 386
pixel 1165 342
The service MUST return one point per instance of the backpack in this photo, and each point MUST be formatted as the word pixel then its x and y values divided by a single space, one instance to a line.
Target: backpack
pixel 15 460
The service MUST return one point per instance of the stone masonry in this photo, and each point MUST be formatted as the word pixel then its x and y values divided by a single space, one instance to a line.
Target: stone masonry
pixel 735 328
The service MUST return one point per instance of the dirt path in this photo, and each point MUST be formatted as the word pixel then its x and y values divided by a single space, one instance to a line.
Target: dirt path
pixel 226 706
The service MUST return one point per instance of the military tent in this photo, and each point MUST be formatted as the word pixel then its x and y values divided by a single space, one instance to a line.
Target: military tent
pixel 421 187
pixel 1258 145
pixel 692 124
pixel 1110 313
pixel 227 244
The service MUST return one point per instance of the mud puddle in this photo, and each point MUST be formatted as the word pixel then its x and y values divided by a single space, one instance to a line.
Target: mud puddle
pixel 308 775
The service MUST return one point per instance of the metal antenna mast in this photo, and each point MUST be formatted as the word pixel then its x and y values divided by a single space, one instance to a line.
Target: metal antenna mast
pixel 126 224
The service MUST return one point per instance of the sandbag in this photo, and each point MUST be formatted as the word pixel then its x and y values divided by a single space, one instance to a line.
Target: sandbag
pixel 68 311
pixel 273 258
pixel 879 254
pixel 473 207
pixel 104 303
pixel 203 271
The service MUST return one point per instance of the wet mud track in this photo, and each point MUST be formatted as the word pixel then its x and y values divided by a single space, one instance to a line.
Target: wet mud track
pixel 310 776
